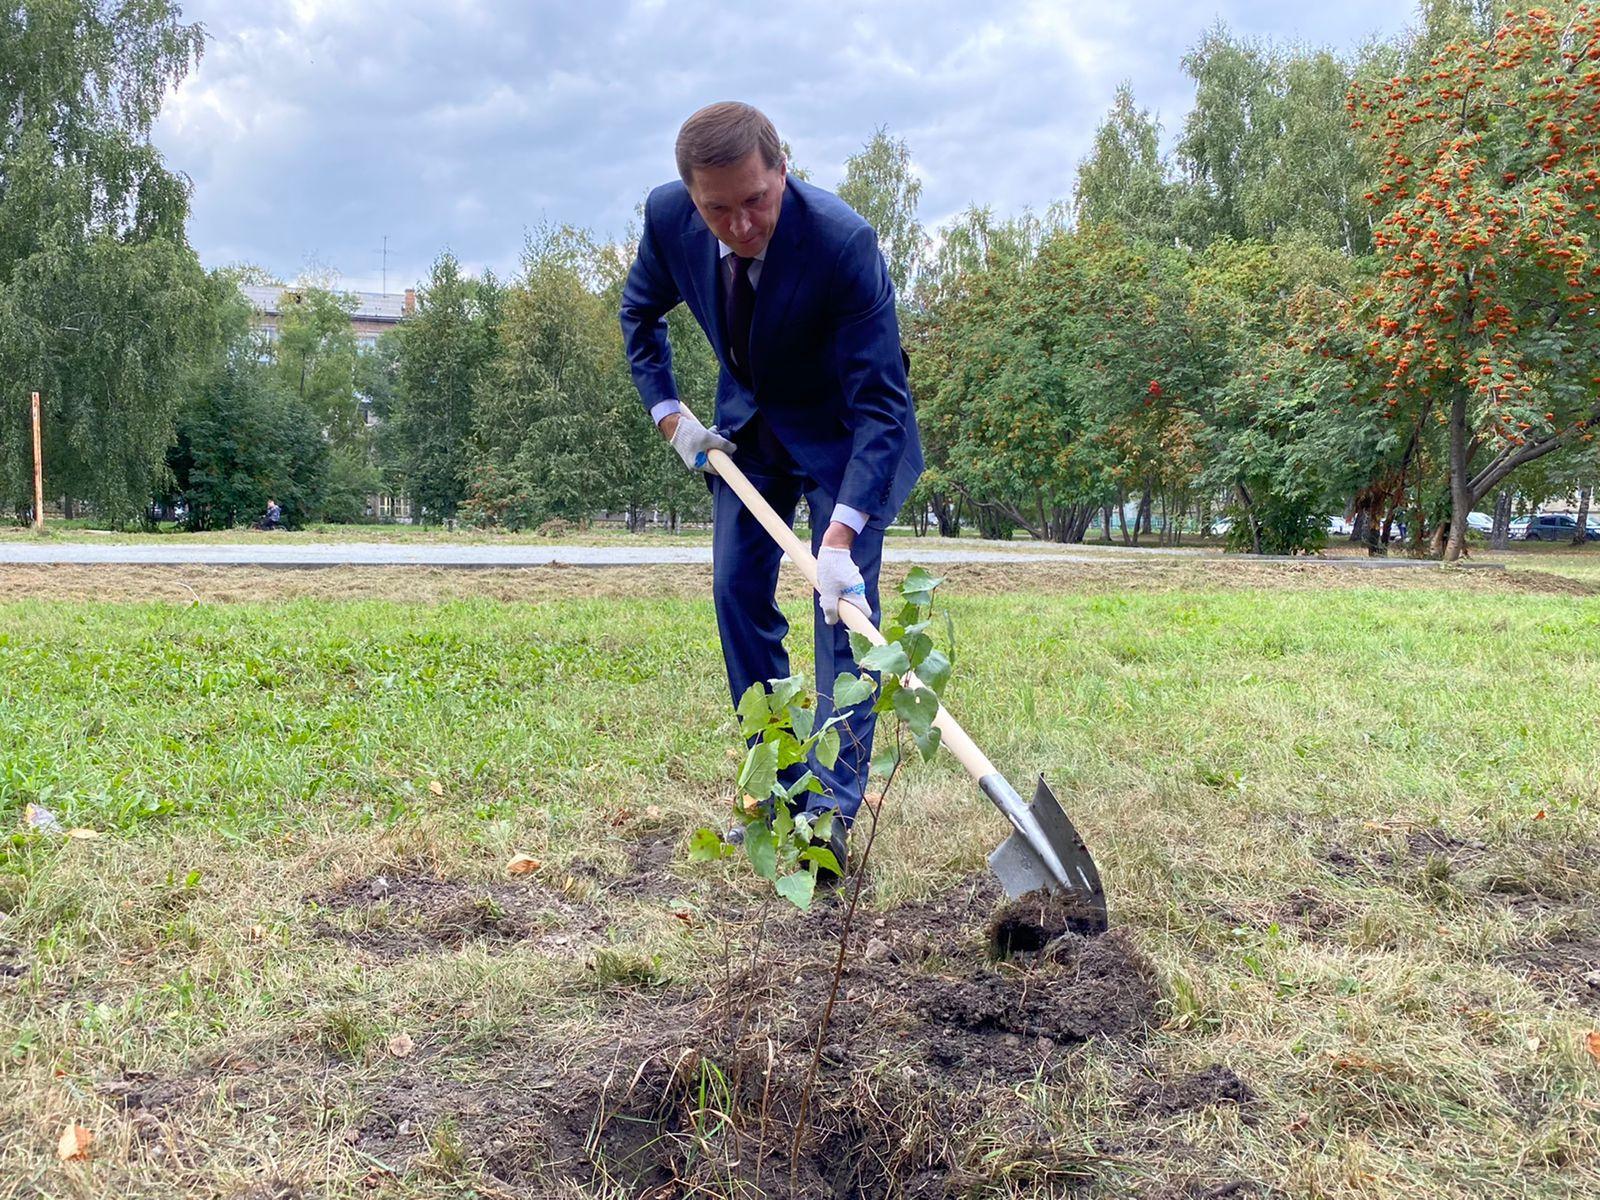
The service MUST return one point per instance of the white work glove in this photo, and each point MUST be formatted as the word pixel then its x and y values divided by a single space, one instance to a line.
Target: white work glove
pixel 691 440
pixel 838 578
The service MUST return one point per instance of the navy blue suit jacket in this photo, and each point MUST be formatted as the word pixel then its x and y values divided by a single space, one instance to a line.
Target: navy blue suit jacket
pixel 825 360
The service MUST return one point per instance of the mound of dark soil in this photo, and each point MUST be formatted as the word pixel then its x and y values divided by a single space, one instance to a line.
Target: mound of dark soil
pixel 928 1039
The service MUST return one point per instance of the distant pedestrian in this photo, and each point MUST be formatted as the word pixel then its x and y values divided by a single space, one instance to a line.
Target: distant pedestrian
pixel 273 518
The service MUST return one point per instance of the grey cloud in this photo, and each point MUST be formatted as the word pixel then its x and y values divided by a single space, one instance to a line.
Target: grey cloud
pixel 317 126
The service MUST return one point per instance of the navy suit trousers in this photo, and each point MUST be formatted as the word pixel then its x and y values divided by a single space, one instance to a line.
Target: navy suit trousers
pixel 745 563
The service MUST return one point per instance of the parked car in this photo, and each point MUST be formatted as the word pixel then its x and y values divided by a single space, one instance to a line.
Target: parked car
pixel 1519 528
pixel 1480 523
pixel 1556 527
pixel 1340 527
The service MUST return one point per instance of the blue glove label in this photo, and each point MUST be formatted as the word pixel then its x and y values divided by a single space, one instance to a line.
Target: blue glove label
pixel 700 460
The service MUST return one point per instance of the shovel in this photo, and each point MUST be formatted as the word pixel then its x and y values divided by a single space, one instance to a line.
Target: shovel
pixel 1044 851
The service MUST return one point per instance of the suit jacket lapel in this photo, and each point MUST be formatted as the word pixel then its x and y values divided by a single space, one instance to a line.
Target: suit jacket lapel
pixel 705 265
pixel 780 274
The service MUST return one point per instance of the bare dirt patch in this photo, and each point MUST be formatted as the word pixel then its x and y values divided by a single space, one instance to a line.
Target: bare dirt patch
pixel 1213 1085
pixel 1309 910
pixel 1532 873
pixel 391 916
pixel 1566 968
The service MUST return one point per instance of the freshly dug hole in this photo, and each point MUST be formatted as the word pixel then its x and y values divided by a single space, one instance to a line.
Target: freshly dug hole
pixel 1030 923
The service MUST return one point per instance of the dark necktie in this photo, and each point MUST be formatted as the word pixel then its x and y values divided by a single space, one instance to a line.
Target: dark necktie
pixel 741 304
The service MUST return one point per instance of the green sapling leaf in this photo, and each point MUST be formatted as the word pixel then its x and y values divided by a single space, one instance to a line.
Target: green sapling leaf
pixel 798 888
pixel 789 750
pixel 761 847
pixel 706 845
pixel 917 645
pixel 935 671
pixel 828 748
pixel 806 783
pixel 785 690
pixel 823 857
pixel 859 645
pixel 919 586
pixel 822 826
pixel 890 658
pixel 850 690
pixel 800 720
pixel 754 710
pixel 759 774
pixel 927 742
pixel 917 708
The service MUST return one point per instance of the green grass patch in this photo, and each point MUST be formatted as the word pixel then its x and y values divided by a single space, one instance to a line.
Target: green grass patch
pixel 1347 825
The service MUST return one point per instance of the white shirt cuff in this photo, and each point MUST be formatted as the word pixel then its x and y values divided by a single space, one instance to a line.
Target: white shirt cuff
pixel 852 517
pixel 664 408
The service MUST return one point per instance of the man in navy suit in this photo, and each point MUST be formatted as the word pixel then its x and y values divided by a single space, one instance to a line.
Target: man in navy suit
pixel 788 284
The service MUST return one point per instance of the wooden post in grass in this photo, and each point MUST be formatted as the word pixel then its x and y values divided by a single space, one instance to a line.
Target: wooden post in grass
pixel 38 469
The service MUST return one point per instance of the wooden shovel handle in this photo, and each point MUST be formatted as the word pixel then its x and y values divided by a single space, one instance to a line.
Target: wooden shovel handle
pixel 951 735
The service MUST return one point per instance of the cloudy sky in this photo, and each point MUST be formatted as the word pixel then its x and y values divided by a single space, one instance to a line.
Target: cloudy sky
pixel 313 128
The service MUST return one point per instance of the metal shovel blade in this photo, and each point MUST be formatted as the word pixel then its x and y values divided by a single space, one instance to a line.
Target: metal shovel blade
pixel 1045 851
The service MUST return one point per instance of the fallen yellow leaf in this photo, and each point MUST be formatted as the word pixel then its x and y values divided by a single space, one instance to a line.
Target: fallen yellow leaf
pixel 258 933
pixel 84 835
pixel 74 1143
pixel 1592 1043
pixel 652 811
pixel 523 864
pixel 401 1045
pixel 436 788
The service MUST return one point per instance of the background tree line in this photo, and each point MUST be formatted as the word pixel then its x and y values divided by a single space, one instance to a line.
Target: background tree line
pixel 1358 285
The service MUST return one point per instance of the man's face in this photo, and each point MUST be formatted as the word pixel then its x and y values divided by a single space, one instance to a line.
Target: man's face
pixel 740 202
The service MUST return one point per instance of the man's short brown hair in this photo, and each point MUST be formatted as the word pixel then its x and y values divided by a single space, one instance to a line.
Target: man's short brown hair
pixel 720 135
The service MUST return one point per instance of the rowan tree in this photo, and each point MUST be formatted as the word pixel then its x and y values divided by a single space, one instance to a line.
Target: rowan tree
pixel 1485 320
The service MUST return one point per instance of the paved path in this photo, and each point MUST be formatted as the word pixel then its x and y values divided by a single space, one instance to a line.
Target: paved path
pixel 377 554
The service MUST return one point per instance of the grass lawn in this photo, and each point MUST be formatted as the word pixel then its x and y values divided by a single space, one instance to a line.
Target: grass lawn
pixel 1350 830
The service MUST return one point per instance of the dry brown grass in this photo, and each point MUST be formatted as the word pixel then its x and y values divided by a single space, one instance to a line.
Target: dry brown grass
pixel 432 585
